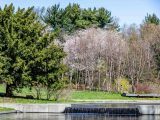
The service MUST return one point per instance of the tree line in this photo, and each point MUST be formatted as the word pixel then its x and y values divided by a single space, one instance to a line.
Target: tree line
pixel 101 59
pixel 51 48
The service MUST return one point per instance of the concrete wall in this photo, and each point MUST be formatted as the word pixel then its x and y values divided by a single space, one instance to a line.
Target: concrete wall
pixel 59 108
pixel 149 109
pixel 37 108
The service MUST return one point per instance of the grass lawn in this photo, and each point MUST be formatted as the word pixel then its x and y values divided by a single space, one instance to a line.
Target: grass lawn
pixel 73 97
pixel 25 101
pixel 24 92
pixel 100 95
pixel 2 109
pixel 96 95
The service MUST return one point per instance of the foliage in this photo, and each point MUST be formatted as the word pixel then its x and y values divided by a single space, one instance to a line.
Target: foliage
pixel 152 19
pixel 99 60
pixel 150 32
pixel 2 109
pixel 71 97
pixel 32 56
pixel 143 88
pixel 73 18
pixel 47 68
pixel 19 30
pixel 28 55
pixel 122 85
pixel 92 57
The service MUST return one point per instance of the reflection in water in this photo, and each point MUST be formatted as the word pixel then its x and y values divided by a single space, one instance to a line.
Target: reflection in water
pixel 50 116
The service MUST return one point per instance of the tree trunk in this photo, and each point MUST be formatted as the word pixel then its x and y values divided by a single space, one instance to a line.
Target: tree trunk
pixel 9 90
pixel 133 86
pixel 99 79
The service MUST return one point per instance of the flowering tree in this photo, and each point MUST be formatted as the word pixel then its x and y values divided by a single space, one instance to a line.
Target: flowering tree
pixel 97 56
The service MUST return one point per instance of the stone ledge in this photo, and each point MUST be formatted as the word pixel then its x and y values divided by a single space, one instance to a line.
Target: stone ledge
pixel 150 109
pixel 8 112
pixel 37 108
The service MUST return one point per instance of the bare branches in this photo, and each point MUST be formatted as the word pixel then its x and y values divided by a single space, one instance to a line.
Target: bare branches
pixel 100 57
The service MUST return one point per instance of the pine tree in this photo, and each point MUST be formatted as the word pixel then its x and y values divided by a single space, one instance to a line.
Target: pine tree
pixel 73 18
pixel 23 46
pixel 152 19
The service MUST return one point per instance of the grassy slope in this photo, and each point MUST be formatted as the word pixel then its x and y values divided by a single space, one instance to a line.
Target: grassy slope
pixel 98 95
pixel 95 95
pixel 24 91
pixel 75 96
pixel 2 109
pixel 22 100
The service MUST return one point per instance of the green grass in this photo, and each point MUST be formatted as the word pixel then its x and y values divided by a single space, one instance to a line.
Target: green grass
pixel 85 95
pixel 2 88
pixel 24 92
pixel 73 97
pixel 100 95
pixel 2 109
pixel 25 101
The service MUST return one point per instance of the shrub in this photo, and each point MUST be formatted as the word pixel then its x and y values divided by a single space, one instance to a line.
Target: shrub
pixel 122 85
pixel 143 88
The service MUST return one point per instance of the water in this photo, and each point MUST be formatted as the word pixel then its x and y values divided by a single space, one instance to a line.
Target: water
pixel 51 116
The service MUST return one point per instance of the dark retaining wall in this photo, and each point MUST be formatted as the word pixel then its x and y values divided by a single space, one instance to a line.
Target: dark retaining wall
pixel 107 111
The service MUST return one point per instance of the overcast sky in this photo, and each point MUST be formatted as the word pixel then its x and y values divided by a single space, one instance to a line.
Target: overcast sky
pixel 127 11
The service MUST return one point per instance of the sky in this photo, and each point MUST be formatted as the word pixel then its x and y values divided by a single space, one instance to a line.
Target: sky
pixel 127 11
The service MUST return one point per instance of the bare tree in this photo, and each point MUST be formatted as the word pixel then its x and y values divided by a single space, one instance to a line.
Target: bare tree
pixel 98 57
pixel 99 54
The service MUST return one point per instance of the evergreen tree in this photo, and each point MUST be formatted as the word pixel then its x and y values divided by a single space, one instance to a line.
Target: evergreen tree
pixel 23 42
pixel 152 19
pixel 46 68
pixel 73 18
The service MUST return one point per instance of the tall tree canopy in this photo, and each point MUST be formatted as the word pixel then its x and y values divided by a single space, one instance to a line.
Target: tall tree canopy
pixel 73 18
pixel 152 19
pixel 27 52
pixel 150 30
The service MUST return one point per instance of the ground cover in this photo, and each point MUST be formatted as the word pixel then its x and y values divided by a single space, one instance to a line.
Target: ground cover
pixel 100 95
pixel 3 109
pixel 74 96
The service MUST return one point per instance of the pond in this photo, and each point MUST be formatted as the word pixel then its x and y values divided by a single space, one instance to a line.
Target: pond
pixel 51 116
